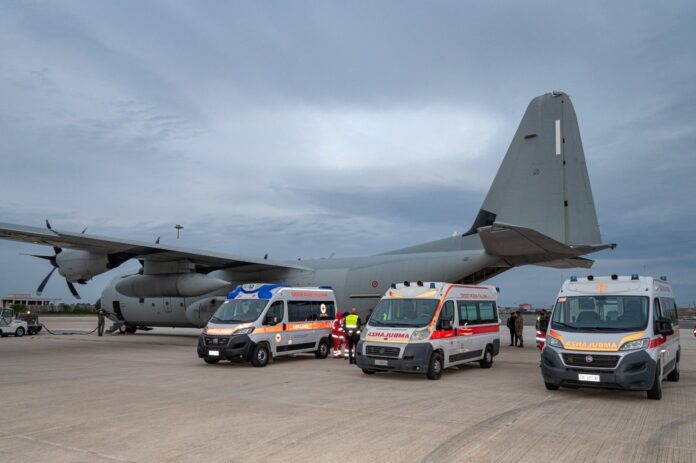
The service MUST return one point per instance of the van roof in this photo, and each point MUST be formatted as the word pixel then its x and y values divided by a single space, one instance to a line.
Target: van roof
pixel 616 284
pixel 268 290
pixel 431 289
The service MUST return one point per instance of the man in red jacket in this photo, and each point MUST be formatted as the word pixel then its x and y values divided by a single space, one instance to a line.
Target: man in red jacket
pixel 338 335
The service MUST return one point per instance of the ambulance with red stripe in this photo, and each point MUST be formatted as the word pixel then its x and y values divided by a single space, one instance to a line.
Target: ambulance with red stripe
pixel 617 332
pixel 427 327
pixel 260 321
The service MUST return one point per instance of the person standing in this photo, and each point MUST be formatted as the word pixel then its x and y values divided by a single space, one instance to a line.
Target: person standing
pixel 541 315
pixel 511 327
pixel 338 335
pixel 519 327
pixel 101 319
pixel 351 326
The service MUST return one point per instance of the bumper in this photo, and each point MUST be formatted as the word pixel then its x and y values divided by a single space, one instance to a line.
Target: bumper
pixel 634 372
pixel 238 349
pixel 415 359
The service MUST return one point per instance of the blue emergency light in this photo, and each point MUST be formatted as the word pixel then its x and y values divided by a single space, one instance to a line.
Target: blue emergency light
pixel 634 276
pixel 432 285
pixel 573 278
pixel 663 278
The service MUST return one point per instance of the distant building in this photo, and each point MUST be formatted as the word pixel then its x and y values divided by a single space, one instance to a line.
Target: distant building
pixel 29 301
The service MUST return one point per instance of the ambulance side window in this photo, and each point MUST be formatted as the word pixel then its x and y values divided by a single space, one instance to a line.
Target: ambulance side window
pixel 669 309
pixel 487 312
pixel 447 313
pixel 276 310
pixel 324 310
pixel 299 311
pixel 467 312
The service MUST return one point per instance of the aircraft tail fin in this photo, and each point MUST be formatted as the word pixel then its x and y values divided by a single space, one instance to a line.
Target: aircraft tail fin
pixel 542 183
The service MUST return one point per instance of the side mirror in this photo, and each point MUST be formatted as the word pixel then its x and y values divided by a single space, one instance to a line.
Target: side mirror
pixel 271 320
pixel 446 324
pixel 663 326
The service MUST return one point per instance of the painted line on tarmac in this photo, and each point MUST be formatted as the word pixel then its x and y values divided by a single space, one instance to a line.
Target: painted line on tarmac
pixel 67 447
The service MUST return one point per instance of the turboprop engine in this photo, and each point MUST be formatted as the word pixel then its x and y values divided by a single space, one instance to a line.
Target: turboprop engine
pixel 173 285
pixel 200 311
pixel 81 266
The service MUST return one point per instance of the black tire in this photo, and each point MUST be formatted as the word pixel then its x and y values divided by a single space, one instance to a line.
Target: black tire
pixel 323 350
pixel 673 375
pixel 37 329
pixel 434 366
pixel 551 386
pixel 122 329
pixel 210 361
pixel 3 334
pixel 487 360
pixel 368 372
pixel 655 392
pixel 19 332
pixel 131 329
pixel 260 356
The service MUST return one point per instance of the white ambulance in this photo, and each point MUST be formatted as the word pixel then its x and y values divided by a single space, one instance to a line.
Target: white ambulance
pixel 261 321
pixel 617 332
pixel 426 327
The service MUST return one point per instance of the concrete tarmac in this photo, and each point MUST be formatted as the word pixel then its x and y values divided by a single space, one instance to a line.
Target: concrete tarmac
pixel 147 397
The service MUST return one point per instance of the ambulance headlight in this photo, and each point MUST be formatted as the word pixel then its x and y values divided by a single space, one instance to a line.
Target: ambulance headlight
pixel 247 330
pixel 551 341
pixel 421 334
pixel 637 344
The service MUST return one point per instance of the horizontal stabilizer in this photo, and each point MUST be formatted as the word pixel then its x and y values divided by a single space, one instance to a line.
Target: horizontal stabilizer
pixel 573 262
pixel 521 246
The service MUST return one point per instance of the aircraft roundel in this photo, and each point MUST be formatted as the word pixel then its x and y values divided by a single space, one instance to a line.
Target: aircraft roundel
pixel 375 283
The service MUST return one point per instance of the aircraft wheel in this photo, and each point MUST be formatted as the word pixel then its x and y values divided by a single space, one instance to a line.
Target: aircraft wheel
pixel 435 366
pixel 19 332
pixel 323 350
pixel 260 356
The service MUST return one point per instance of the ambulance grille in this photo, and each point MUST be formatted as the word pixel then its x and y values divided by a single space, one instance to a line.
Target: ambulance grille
pixel 591 360
pixel 216 341
pixel 383 352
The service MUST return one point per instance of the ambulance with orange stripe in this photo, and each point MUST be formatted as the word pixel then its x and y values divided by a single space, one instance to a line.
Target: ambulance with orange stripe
pixel 617 332
pixel 427 327
pixel 260 321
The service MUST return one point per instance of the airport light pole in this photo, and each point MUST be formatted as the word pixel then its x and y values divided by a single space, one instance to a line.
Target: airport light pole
pixel 178 228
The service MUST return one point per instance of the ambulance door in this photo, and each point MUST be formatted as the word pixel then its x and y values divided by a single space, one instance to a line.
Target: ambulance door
pixel 447 341
pixel 273 327
pixel 300 318
pixel 468 347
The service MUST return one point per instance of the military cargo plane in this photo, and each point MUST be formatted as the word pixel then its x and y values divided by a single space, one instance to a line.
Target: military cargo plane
pixel 539 210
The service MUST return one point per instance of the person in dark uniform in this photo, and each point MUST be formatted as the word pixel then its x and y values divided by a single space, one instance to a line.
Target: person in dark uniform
pixel 511 327
pixel 351 326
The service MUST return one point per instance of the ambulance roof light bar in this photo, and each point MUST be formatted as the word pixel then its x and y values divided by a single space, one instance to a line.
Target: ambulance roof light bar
pixel 634 276
pixel 573 278
pixel 663 278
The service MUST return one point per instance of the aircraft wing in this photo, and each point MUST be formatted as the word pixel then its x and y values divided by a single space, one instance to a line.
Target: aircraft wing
pixel 520 246
pixel 119 250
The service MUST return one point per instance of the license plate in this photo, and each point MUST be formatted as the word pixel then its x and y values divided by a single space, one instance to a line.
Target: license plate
pixel 592 378
pixel 382 363
pixel 216 353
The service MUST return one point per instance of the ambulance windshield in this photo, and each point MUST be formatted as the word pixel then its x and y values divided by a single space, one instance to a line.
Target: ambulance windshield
pixel 601 313
pixel 239 311
pixel 403 312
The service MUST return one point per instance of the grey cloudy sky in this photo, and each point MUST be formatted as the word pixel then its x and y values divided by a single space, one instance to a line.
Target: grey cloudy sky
pixel 311 128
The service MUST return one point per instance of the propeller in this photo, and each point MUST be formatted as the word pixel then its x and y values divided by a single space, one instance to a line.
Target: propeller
pixel 54 263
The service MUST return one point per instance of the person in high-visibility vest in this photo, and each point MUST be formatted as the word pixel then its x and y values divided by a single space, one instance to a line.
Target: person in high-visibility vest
pixel 351 326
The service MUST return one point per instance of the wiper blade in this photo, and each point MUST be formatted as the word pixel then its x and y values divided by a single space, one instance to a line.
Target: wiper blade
pixel 563 325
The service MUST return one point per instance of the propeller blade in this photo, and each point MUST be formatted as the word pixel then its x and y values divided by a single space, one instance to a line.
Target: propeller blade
pixel 73 290
pixel 45 280
pixel 36 255
pixel 157 240
pixel 48 225
pixel 84 230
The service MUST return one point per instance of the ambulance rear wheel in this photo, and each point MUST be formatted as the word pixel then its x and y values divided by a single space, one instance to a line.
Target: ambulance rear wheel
pixel 260 356
pixel 323 350
pixel 655 392
pixel 210 361
pixel 435 366
pixel 487 360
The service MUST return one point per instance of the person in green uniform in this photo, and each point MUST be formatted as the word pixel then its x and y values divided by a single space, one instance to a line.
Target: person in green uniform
pixel 101 319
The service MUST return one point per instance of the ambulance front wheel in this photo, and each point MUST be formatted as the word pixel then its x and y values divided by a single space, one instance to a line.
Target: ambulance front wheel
pixel 323 350
pixel 487 360
pixel 368 372
pixel 260 356
pixel 210 361
pixel 551 386
pixel 435 366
